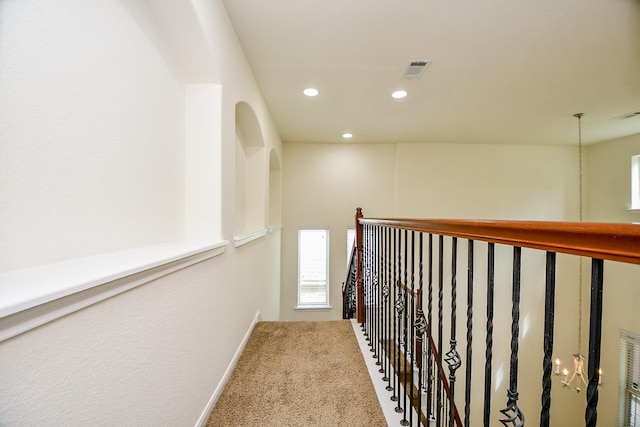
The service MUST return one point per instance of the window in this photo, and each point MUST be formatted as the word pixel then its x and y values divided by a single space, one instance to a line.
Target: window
pixel 313 268
pixel 629 380
pixel 351 238
pixel 635 182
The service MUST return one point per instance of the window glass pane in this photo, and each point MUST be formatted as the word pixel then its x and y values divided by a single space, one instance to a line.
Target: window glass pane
pixel 313 266
pixel 635 182
pixel 351 237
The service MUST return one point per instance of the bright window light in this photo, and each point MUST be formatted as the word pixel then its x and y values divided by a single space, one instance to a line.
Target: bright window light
pixel 310 91
pixel 399 94
pixel 351 239
pixel 635 182
pixel 313 267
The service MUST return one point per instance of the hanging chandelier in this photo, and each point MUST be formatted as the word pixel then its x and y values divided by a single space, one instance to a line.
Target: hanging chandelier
pixel 574 379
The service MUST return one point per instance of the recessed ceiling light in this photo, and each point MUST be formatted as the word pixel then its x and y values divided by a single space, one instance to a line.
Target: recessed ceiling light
pixel 347 135
pixel 310 91
pixel 399 94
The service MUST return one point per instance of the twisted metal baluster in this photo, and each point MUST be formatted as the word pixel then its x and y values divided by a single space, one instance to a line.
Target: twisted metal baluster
pixel 393 301
pixel 389 309
pixel 380 279
pixel 513 414
pixel 413 313
pixel 440 313
pixel 420 326
pixel 430 411
pixel 549 309
pixel 374 291
pixel 399 305
pixel 383 290
pixel 453 357
pixel 489 333
pixel 467 394
pixel 407 343
pixel 365 279
pixel 595 340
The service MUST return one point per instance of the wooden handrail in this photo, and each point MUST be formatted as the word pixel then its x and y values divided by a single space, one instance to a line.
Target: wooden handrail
pixel 608 241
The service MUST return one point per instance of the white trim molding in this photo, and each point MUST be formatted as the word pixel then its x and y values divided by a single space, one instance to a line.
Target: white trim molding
pixel 204 417
pixel 274 228
pixel 249 237
pixel 32 297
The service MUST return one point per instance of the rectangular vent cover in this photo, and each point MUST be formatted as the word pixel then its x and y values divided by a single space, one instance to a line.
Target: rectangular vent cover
pixel 415 70
pixel 628 115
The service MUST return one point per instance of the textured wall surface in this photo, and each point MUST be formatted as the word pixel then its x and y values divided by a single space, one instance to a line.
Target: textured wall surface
pixel 97 155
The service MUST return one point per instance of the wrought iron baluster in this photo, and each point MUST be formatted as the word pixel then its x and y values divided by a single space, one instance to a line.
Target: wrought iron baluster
pixel 420 326
pixel 388 309
pixel 380 281
pixel 411 313
pixel 371 285
pixel 467 394
pixel 549 310
pixel 374 290
pixel 407 346
pixel 453 357
pixel 365 279
pixel 489 334
pixel 399 313
pixel 394 343
pixel 513 414
pixel 440 326
pixel 595 340
pixel 429 338
pixel 381 303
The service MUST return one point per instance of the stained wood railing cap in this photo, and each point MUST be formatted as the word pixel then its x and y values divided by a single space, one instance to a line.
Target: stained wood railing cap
pixel 609 241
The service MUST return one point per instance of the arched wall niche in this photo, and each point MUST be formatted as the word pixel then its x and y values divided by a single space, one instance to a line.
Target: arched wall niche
pixel 250 172
pixel 275 189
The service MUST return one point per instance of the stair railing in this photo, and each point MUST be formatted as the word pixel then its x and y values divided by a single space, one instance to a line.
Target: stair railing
pixel 401 307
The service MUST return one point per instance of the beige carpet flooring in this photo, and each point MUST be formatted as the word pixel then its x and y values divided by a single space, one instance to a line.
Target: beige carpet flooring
pixel 299 374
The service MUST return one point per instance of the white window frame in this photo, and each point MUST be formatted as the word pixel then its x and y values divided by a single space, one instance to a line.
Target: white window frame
pixel 635 183
pixel 301 302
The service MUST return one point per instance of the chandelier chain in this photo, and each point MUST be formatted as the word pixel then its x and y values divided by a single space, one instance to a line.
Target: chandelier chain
pixel 580 210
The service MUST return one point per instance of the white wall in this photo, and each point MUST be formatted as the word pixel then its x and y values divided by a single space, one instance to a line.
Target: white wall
pixel 322 185
pixel 480 181
pixel 97 153
pixel 92 149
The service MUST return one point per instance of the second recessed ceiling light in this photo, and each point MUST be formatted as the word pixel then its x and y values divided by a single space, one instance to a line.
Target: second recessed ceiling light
pixel 310 91
pixel 399 94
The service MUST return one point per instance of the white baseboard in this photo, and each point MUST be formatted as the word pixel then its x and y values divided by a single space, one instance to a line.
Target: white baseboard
pixel 202 421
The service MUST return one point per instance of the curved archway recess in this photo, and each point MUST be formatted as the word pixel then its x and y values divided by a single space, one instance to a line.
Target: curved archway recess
pixel 250 172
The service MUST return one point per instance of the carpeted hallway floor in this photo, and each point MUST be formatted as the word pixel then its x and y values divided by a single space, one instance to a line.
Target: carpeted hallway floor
pixel 299 374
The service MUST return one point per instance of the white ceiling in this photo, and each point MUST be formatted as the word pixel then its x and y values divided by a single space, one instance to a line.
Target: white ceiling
pixel 502 71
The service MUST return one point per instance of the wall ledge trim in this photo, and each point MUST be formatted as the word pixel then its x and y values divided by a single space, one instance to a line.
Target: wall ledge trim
pixel 249 237
pixel 32 297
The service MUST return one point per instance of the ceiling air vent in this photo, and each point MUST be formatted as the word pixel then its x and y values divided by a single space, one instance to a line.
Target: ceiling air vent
pixel 415 69
pixel 628 115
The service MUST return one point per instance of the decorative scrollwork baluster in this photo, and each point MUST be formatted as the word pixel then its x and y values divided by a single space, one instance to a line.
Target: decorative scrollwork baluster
pixel 513 414
pixel 453 357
